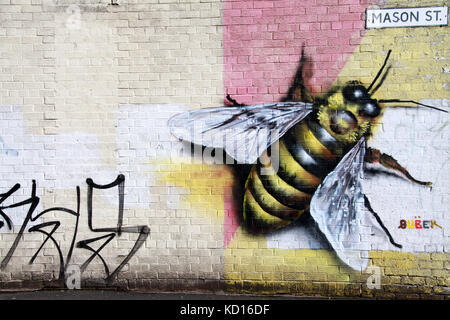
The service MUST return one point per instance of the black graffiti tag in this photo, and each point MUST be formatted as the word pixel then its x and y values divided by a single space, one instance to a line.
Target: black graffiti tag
pixel 64 261
pixel 143 231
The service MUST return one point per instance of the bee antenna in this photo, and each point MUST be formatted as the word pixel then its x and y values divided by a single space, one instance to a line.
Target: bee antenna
pixel 380 71
pixel 381 81
pixel 410 101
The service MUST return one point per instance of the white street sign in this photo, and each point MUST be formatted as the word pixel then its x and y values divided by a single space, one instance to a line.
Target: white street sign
pixel 406 17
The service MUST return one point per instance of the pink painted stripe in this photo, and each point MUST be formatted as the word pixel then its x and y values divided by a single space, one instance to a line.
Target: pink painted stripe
pixel 263 41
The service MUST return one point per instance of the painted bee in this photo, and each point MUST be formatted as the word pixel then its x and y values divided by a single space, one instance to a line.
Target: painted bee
pixel 322 147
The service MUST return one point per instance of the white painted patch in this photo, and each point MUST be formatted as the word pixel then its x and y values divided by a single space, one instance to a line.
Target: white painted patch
pixel 54 161
pixel 65 161
pixel 143 138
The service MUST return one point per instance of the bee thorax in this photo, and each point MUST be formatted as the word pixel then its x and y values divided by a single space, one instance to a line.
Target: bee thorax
pixel 342 121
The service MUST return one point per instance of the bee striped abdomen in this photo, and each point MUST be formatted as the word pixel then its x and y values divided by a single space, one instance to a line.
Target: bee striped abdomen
pixel 275 198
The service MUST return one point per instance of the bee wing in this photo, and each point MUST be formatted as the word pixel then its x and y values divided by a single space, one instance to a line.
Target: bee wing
pixel 337 206
pixel 244 132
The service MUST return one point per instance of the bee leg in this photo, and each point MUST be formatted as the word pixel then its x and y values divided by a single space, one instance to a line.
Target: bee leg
pixel 377 217
pixel 234 102
pixel 297 91
pixel 375 156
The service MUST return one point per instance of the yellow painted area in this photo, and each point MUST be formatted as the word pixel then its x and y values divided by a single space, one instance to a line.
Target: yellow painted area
pixel 203 187
pixel 275 262
pixel 300 271
pixel 419 59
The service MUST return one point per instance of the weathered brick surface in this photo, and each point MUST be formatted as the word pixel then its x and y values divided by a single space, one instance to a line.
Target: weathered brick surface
pixel 86 89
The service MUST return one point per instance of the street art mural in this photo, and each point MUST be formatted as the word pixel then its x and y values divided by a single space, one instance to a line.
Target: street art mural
pixel 270 146
pixel 320 165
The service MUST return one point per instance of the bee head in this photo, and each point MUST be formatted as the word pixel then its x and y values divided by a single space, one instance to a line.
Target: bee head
pixel 349 112
pixel 356 93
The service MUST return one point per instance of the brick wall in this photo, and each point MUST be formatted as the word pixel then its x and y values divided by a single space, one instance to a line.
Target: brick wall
pixel 87 88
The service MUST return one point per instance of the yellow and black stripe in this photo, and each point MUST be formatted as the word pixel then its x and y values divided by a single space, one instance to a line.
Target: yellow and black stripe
pixel 307 153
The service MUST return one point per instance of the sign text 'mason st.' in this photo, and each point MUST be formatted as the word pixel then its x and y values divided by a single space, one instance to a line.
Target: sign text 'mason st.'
pixel 406 17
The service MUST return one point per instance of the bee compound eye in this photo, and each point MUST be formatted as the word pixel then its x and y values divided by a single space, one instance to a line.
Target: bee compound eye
pixel 370 108
pixel 342 121
pixel 355 93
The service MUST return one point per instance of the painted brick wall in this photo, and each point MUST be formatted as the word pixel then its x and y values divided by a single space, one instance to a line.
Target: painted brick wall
pixel 93 181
